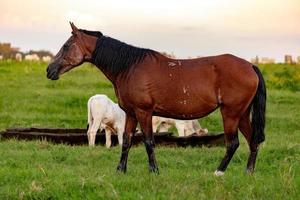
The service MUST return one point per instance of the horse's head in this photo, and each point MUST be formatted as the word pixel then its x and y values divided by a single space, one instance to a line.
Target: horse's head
pixel 76 50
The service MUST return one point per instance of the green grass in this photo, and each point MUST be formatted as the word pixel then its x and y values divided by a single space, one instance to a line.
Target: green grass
pixel 41 170
pixel 28 98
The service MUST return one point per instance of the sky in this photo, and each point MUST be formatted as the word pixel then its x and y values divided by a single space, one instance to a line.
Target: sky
pixel 189 28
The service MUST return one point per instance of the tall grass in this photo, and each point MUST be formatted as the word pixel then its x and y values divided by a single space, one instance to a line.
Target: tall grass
pixel 282 76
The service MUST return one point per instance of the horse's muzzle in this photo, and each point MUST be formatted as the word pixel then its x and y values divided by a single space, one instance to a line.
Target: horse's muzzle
pixel 52 72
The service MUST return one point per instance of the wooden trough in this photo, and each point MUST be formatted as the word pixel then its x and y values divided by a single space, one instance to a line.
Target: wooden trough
pixel 79 137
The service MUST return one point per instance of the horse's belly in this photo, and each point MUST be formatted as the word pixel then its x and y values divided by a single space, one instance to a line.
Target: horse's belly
pixel 185 108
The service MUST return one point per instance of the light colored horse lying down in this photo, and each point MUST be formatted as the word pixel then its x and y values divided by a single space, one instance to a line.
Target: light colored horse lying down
pixel 103 113
pixel 184 127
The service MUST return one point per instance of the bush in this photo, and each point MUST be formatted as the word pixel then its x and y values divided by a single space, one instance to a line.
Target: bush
pixel 285 77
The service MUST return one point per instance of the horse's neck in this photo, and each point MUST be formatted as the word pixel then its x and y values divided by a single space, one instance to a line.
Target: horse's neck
pixel 113 78
pixel 108 75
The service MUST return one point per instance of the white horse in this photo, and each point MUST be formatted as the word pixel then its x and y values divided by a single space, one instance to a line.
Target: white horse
pixel 103 113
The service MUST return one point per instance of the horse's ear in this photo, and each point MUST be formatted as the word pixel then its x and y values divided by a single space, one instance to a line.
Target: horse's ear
pixel 74 28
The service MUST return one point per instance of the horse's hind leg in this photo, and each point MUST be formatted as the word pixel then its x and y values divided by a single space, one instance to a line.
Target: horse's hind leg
pixel 130 127
pixel 230 123
pixel 246 129
pixel 145 120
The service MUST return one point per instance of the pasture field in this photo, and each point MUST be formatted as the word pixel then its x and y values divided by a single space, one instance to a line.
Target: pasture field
pixel 42 170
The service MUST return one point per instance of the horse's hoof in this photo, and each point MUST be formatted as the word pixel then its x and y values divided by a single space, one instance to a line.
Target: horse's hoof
pixel 154 170
pixel 250 171
pixel 219 173
pixel 121 168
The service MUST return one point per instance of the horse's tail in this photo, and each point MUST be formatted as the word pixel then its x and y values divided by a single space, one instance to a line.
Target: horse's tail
pixel 259 109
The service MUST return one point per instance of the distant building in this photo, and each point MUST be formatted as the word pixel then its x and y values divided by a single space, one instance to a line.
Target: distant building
pixel 255 60
pixel 1 57
pixel 288 59
pixel 7 51
pixel 263 60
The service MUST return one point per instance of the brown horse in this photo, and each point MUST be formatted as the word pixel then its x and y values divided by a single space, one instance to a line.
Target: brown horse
pixel 147 83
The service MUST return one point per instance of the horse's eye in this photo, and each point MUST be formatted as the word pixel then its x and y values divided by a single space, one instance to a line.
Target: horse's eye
pixel 66 46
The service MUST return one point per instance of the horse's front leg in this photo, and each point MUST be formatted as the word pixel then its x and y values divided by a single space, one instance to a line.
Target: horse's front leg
pixel 130 127
pixel 145 120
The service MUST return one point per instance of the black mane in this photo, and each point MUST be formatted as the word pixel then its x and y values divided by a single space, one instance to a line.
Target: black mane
pixel 92 33
pixel 115 56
